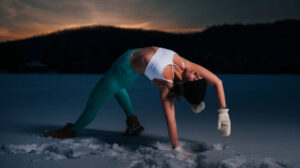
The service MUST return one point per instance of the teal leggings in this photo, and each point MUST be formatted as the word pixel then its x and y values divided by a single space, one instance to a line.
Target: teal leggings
pixel 120 76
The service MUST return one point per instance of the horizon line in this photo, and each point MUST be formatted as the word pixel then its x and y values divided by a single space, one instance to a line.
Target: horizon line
pixel 129 27
pixel 74 27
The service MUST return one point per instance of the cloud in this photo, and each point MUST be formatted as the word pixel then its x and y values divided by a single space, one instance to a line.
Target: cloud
pixel 26 18
pixel 35 17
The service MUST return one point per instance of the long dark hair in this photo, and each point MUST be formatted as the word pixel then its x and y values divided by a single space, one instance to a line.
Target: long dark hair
pixel 176 91
pixel 193 91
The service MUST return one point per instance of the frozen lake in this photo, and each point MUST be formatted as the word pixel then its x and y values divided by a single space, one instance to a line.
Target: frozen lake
pixel 264 115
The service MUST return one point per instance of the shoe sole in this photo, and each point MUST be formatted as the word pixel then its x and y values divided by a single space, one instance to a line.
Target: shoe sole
pixel 136 133
pixel 139 131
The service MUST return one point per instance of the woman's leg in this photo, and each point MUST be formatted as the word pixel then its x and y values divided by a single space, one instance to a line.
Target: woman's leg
pixel 121 75
pixel 124 100
pixel 105 88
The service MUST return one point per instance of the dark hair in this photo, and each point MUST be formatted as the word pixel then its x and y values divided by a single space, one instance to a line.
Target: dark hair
pixel 195 91
pixel 177 91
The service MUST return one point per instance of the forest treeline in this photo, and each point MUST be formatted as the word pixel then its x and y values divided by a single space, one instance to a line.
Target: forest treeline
pixel 270 48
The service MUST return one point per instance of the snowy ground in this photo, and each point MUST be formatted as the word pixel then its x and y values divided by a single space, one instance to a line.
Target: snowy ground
pixel 263 110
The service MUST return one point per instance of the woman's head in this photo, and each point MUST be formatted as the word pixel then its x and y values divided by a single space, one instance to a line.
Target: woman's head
pixel 190 75
pixel 192 87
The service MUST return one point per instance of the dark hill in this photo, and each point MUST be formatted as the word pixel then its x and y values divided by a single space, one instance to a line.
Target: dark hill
pixel 236 48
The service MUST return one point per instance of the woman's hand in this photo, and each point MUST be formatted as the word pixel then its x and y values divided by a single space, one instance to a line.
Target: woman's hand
pixel 179 149
pixel 224 124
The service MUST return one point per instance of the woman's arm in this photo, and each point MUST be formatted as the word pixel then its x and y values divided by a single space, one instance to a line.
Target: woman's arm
pixel 168 108
pixel 212 79
pixel 224 123
pixel 219 90
pixel 169 113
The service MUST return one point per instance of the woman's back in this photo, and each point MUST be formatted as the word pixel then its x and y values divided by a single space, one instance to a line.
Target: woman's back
pixel 140 58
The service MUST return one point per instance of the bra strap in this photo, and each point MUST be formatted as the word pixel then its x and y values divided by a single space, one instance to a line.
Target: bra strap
pixel 182 62
pixel 168 80
pixel 173 70
pixel 173 75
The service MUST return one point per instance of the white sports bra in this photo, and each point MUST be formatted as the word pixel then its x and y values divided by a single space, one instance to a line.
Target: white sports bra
pixel 162 58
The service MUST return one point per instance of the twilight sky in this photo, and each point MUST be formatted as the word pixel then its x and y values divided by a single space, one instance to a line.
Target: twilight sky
pixel 24 18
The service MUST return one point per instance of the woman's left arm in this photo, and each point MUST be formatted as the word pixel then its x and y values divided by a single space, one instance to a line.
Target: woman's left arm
pixel 224 123
pixel 212 79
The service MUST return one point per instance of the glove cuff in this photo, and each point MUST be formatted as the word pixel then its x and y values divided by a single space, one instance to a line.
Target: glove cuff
pixel 178 148
pixel 223 110
pixel 198 108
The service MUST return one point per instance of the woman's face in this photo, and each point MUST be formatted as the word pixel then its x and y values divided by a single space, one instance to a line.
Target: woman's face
pixel 190 75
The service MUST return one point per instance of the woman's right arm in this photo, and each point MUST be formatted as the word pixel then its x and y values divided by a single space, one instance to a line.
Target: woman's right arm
pixel 169 113
pixel 168 108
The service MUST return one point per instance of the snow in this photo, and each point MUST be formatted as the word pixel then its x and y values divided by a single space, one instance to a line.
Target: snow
pixel 263 112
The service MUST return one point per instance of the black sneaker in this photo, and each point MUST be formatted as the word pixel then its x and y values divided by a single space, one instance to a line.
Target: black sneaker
pixel 134 128
pixel 65 132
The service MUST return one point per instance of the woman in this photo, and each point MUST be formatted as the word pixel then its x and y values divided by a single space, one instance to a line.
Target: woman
pixel 184 79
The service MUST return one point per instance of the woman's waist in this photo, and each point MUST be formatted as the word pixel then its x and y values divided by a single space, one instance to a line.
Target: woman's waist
pixel 139 63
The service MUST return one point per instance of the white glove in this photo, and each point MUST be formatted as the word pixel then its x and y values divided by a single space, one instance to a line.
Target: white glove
pixel 224 124
pixel 198 108
pixel 179 149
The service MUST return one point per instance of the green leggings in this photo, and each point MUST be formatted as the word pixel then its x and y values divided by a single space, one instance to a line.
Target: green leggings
pixel 120 76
